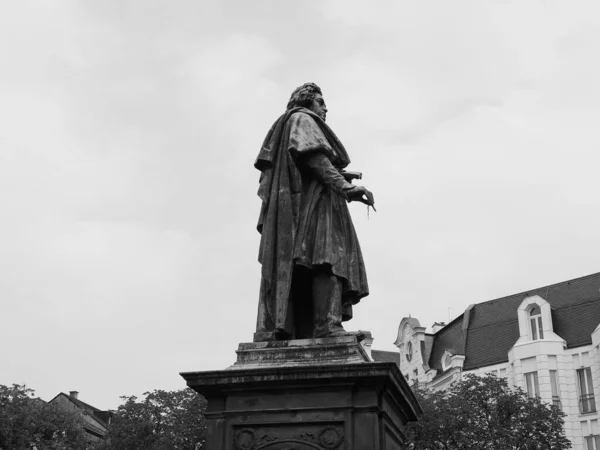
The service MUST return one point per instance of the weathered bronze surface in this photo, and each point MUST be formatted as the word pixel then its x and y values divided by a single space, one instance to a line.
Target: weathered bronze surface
pixel 305 383
pixel 312 266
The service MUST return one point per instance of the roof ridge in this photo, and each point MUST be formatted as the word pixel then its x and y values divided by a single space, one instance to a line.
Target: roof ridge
pixel 93 408
pixel 451 322
pixel 79 402
pixel 539 288
pixel 577 305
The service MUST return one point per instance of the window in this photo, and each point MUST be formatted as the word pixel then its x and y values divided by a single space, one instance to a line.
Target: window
pixel 592 442
pixel 531 382
pixel 446 360
pixel 555 390
pixel 535 320
pixel 587 403
pixel 409 351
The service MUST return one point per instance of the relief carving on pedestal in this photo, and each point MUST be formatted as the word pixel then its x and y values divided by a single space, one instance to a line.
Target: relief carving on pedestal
pixel 327 438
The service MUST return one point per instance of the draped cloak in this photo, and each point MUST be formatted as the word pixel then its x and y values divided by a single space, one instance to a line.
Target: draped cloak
pixel 304 219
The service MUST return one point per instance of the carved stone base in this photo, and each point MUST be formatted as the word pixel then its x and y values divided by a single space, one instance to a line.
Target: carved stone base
pixel 264 403
pixel 335 350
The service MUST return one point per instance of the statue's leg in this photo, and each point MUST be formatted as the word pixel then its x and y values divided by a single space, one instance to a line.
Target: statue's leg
pixel 327 303
pixel 301 299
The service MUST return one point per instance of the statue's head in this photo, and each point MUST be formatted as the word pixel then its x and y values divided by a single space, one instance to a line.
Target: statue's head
pixel 309 96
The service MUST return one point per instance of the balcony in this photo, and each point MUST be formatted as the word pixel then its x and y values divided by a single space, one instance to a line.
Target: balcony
pixel 587 404
pixel 556 401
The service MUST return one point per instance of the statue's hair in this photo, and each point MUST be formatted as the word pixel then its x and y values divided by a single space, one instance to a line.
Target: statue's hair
pixel 303 95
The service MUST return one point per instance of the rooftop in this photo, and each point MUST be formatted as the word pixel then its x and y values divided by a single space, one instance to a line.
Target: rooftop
pixel 486 331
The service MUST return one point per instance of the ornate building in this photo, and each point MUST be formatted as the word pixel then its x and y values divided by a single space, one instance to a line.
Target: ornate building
pixel 546 341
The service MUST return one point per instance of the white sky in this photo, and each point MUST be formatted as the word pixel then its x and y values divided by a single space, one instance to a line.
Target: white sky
pixel 128 131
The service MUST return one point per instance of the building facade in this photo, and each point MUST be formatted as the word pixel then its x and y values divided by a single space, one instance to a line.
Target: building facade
pixel 546 341
pixel 95 421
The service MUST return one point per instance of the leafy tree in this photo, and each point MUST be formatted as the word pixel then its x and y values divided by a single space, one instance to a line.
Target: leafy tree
pixel 484 413
pixel 162 420
pixel 27 422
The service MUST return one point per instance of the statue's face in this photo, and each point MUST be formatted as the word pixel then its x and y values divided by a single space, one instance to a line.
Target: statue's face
pixel 318 106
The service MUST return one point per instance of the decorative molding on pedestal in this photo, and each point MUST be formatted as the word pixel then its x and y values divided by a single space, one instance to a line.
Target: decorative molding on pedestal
pixel 302 352
pixel 329 437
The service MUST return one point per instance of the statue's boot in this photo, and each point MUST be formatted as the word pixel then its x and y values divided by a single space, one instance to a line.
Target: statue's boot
pixel 273 335
pixel 327 306
pixel 359 335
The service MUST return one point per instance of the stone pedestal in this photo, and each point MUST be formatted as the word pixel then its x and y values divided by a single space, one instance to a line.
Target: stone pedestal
pixel 318 394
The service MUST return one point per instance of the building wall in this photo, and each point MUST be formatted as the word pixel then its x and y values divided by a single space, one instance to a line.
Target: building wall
pixel 566 363
pixel 94 429
pixel 527 355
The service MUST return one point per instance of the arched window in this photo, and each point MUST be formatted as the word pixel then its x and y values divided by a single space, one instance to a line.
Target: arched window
pixel 409 351
pixel 447 361
pixel 535 320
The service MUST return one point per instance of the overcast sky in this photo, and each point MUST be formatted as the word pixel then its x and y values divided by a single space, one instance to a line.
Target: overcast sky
pixel 128 132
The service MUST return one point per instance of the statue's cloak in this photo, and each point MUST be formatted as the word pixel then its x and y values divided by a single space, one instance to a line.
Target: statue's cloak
pixel 302 220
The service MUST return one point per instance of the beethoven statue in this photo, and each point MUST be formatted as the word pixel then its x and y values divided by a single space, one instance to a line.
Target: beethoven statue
pixel 312 267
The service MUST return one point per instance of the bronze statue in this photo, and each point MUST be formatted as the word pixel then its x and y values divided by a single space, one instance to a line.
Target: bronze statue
pixel 312 267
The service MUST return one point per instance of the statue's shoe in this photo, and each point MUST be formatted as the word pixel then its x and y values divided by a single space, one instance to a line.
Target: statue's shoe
pixel 269 336
pixel 360 335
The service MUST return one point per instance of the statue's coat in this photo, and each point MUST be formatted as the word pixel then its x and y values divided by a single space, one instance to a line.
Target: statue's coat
pixel 303 221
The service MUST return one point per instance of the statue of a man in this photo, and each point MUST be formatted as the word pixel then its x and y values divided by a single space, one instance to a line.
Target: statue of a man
pixel 312 267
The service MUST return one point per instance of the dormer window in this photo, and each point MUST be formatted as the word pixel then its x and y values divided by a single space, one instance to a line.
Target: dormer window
pixel 535 321
pixel 447 361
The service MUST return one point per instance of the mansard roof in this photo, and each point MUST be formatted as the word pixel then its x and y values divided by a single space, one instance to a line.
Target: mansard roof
pixel 383 355
pixel 486 331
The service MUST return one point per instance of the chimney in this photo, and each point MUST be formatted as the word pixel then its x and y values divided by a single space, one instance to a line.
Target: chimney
pixel 73 394
pixel 437 326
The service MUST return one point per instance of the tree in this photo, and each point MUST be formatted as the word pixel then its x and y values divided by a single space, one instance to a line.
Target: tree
pixel 27 422
pixel 484 413
pixel 162 420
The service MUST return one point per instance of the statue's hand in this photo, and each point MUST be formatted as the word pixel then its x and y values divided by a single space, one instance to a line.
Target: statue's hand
pixel 363 195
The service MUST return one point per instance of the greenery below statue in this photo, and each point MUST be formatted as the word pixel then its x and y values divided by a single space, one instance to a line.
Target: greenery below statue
pixel 484 413
pixel 27 422
pixel 162 420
